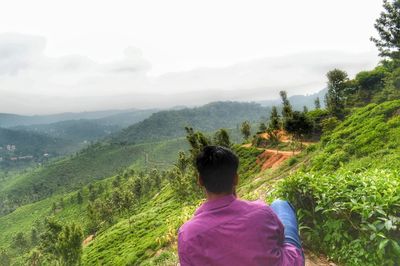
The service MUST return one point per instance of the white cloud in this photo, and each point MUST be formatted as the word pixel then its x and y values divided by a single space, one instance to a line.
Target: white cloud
pixel 31 82
pixel 19 52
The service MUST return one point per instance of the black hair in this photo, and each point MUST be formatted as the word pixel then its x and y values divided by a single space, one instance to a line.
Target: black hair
pixel 217 167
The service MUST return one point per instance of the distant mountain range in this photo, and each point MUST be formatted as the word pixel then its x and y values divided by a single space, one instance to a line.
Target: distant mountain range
pixel 127 117
pixel 111 117
pixel 209 117
pixel 299 101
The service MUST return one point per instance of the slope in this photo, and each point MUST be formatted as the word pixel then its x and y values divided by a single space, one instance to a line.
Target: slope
pixel 93 163
pixel 210 117
pixel 348 195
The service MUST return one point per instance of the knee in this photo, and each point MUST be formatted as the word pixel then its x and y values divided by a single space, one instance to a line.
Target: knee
pixel 281 203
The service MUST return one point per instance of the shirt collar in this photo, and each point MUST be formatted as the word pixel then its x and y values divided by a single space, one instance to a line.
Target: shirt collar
pixel 215 204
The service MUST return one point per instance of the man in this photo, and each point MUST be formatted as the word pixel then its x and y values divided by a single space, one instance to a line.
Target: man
pixel 228 231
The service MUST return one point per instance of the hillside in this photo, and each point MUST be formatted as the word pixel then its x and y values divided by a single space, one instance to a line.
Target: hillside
pixel 144 231
pixel 75 131
pixel 148 241
pixel 208 118
pixel 93 163
pixel 116 117
pixel 348 194
pixel 19 147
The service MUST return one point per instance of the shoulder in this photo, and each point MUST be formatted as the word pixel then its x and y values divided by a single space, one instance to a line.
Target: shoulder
pixel 255 206
pixel 190 228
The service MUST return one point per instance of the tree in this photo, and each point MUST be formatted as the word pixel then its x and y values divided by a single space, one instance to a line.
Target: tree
pixel 79 198
pixel 298 125
pixel 197 142
pixel 262 127
pixel 274 120
pixel 221 138
pixel 70 244
pixel 305 109
pixel 388 27
pixel 62 243
pixel 287 107
pixel 274 126
pixel 61 203
pixel 245 129
pixel 317 103
pixel 54 207
pixel 19 241
pixel 336 92
pixel 35 258
pixel 34 237
pixel 137 188
pixel 156 177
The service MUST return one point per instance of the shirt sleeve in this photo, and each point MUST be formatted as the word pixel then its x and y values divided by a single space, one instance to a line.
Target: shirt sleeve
pixel 290 254
pixel 182 251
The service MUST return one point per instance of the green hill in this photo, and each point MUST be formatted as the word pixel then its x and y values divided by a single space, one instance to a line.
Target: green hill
pixel 75 131
pixel 208 118
pixel 348 195
pixel 93 163
pixel 344 213
pixel 19 148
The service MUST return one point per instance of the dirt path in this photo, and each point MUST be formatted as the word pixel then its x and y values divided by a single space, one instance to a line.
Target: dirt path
pixel 274 158
pixel 316 260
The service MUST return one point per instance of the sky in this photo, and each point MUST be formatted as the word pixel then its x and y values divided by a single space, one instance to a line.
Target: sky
pixel 72 56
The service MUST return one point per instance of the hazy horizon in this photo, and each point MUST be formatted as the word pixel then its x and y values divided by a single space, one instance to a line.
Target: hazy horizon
pixel 153 54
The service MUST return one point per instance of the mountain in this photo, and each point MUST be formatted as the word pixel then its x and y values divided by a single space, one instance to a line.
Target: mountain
pixel 74 130
pixel 126 119
pixel 299 101
pixel 22 143
pixel 209 117
pixel 128 116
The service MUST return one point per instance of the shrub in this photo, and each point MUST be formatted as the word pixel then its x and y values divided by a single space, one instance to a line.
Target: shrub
pixel 353 217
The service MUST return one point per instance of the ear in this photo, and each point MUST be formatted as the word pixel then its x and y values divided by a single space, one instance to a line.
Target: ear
pixel 200 181
pixel 236 179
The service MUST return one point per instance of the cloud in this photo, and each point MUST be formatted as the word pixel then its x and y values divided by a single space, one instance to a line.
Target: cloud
pixel 19 52
pixel 31 82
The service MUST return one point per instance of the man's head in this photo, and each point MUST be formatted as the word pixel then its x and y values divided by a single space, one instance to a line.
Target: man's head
pixel 217 167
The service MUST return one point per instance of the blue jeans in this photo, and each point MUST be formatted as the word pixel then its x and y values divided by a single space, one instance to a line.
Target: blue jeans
pixel 285 212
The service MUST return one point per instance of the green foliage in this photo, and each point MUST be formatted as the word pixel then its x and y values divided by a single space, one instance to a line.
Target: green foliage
pixel 61 243
pixel 5 259
pixel 317 103
pixel 197 141
pixel 245 128
pixel 298 125
pixel 328 124
pixel 94 162
pixel 286 106
pixel 349 215
pixel 262 127
pixel 388 27
pixel 334 99
pixel 274 120
pixel 221 138
pixel 20 242
pixel 316 117
pixel 347 197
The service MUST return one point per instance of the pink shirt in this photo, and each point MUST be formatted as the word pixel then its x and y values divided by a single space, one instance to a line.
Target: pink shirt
pixel 231 232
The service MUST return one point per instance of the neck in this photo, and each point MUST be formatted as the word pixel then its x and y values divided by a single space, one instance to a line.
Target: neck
pixel 214 196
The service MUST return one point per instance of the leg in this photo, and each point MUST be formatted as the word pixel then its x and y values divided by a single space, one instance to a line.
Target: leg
pixel 285 212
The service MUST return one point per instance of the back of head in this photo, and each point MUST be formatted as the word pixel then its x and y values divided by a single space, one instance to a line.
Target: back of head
pixel 217 167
